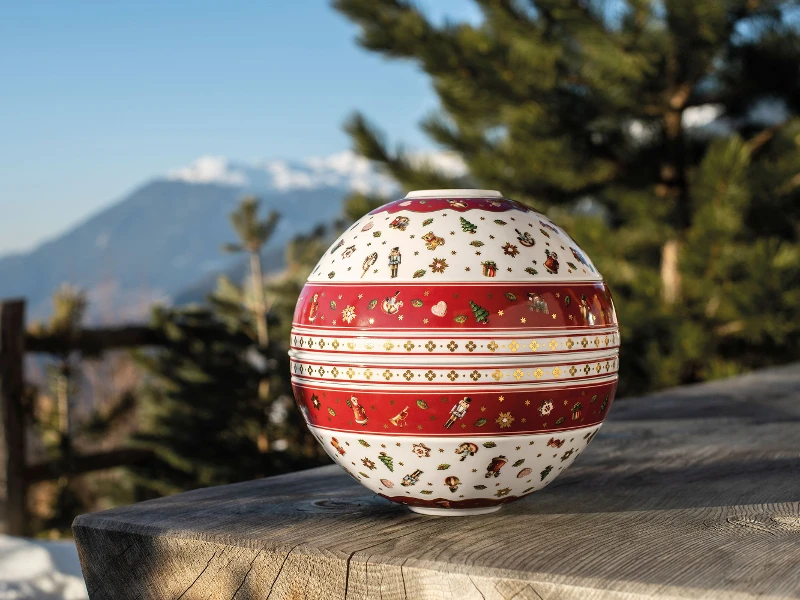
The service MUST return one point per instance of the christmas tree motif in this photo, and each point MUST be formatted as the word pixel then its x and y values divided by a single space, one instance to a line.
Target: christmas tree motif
pixel 386 460
pixel 468 227
pixel 481 314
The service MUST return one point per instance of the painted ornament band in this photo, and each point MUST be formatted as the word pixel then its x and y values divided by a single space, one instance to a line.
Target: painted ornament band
pixel 479 412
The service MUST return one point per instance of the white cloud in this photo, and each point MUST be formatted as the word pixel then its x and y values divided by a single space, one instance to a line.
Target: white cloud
pixel 210 169
pixel 342 169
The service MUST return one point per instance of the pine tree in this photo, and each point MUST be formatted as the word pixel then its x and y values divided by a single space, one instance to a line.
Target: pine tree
pixel 387 460
pixel 204 412
pixel 253 234
pixel 468 227
pixel 481 314
pixel 593 112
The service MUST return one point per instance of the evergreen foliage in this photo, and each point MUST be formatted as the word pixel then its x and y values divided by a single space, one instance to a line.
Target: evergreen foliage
pixel 219 406
pixel 592 112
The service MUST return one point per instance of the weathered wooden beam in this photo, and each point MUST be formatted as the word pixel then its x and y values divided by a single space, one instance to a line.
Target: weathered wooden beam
pixel 94 341
pixel 692 493
pixel 86 463
pixel 12 353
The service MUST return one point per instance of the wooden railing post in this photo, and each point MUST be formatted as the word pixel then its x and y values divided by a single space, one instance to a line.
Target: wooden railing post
pixel 12 353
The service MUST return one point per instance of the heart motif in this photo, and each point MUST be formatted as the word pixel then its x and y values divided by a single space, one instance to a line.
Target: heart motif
pixel 439 309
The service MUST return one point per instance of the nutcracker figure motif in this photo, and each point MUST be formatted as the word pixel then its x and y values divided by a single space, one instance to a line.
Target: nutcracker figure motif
pixel 394 261
pixel 586 311
pixel 411 478
pixel 458 411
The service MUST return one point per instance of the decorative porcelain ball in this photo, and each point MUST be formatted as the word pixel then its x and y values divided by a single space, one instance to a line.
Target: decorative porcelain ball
pixel 454 350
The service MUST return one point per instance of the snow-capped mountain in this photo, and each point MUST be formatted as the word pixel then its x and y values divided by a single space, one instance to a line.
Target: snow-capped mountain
pixel 344 170
pixel 166 235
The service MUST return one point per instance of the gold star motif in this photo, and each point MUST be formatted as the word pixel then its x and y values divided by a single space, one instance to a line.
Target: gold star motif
pixel 501 398
pixel 570 317
pixel 500 313
pixel 360 296
pixel 466 268
pixel 400 317
pixel 558 295
pixel 554 315
pixel 425 321
pixel 333 322
pixel 371 321
pixel 523 420
pixel 523 320
pixel 483 409
pixel 425 293
pixel 463 426
pixel 527 402
pixel 340 296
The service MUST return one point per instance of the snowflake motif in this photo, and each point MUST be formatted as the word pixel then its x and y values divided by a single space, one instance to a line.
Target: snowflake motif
pixel 510 250
pixel 421 450
pixel 438 265
pixel 368 463
pixel 504 419
pixel 348 314
pixel 546 407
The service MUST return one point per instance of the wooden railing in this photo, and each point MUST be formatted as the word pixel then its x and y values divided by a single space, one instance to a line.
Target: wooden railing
pixel 15 342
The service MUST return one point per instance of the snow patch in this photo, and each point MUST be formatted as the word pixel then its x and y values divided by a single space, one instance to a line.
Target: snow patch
pixel 37 570
pixel 210 169
pixel 345 170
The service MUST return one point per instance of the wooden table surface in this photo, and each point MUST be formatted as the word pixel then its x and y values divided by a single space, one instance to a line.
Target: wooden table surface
pixel 692 493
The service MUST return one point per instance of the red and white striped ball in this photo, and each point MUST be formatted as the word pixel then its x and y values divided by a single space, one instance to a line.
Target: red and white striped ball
pixel 454 350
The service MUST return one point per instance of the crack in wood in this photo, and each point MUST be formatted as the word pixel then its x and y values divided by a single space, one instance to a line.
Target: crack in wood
pixel 198 577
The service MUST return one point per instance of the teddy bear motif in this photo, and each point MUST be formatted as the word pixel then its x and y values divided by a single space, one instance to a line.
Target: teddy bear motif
pixel 432 241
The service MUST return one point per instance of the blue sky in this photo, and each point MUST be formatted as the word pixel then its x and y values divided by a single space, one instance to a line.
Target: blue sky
pixel 96 97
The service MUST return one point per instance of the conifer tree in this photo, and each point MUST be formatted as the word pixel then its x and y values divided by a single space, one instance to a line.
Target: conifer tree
pixel 254 233
pixel 204 412
pixel 481 314
pixel 663 135
pixel 468 227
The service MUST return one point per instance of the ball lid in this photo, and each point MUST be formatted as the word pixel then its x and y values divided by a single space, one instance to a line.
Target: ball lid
pixel 448 236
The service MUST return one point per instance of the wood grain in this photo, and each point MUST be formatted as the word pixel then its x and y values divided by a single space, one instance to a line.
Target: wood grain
pixel 692 493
